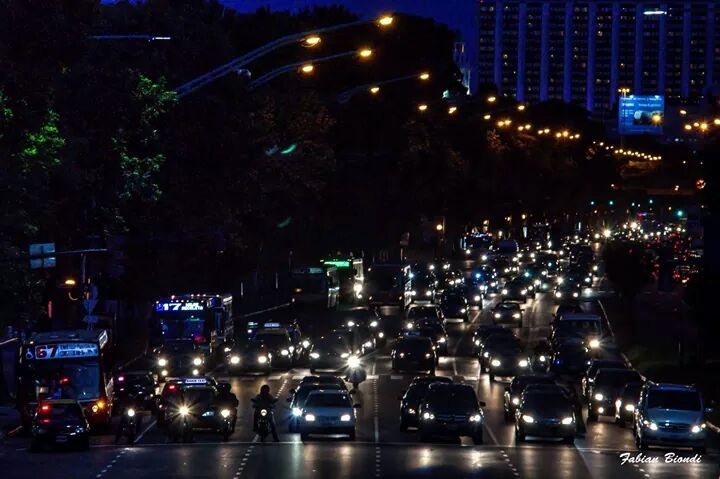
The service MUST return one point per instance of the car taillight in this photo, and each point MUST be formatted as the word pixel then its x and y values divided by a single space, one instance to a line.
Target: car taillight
pixel 171 387
pixel 45 408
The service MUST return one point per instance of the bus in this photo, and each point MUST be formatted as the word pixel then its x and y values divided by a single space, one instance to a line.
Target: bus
pixel 388 285
pixel 351 276
pixel 315 285
pixel 475 243
pixel 73 364
pixel 205 318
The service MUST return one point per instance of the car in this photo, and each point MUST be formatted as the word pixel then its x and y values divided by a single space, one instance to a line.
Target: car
pixel 328 411
pixel 358 338
pixel 136 388
pixel 433 330
pixel 451 410
pixel 606 387
pixel 298 397
pixel 414 353
pixel 484 331
pixel 507 360
pixel 60 422
pixel 567 290
pixel 323 379
pixel 423 312
pixel 595 364
pixel 410 400
pixel 670 415
pixel 507 312
pixel 199 395
pixel 279 345
pixel 569 359
pixel 454 305
pixel 545 412
pixel 252 357
pixel 369 318
pixel 472 293
pixel 626 403
pixel 447 279
pixel 513 392
pixel 179 357
pixel 424 284
pixel 579 327
pixel 514 290
pixel 493 343
pixel 541 354
pixel 329 353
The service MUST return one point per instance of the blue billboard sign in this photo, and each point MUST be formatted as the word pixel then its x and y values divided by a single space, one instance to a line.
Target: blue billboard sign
pixel 641 114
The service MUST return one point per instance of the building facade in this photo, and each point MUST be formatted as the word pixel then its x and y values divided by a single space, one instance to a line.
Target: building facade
pixel 585 51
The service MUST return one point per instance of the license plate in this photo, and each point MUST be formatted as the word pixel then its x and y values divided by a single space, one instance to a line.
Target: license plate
pixel 61 438
pixel 452 427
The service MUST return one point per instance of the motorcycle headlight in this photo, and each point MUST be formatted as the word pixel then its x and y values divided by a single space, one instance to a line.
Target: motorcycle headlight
pixel 131 412
pixel 162 362
pixel 235 360
pixel 599 397
pixel 567 420
pixel 542 359
pixel 515 401
pixel 263 412
pixel 630 407
pixel 285 352
pixel 476 297
pixel 477 342
pixel 314 355
pixel 373 324
pixel 345 418
pixel 516 315
pixel 498 315
pixel 428 293
pixel 197 361
pixel 262 359
pixel 225 413
pixel 495 362
pixel 309 417
pixel 523 363
pixel 528 419
pixel 504 291
pixel 475 418
pixel 594 343
pixel 345 355
pixel 428 416
pixel 296 411
pixel 184 410
pixel 305 344
pixel 226 349
pixel 441 340
pixel 353 362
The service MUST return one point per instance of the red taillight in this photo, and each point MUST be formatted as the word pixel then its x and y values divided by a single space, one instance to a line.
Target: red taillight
pixel 171 387
pixel 65 380
pixel 121 378
pixel 199 338
pixel 45 408
pixel 45 421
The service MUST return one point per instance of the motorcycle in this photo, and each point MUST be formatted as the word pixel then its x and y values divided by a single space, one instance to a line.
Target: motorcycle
pixel 181 427
pixel 128 426
pixel 262 421
pixel 227 427
pixel 355 373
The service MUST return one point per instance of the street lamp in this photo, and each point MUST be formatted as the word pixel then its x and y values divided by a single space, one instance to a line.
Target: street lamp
pixel 385 20
pixel 491 99
pixel 521 107
pixel 439 227
pixel 307 68
pixel 374 87
pixel 422 107
pixel 375 90
pixel 656 118
pixel 452 110
pixel 312 41
pixel 365 53
pixel 424 76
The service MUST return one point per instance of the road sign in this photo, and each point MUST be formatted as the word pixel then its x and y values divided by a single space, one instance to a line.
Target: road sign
pixel 41 255
pixel 89 305
pixel 90 319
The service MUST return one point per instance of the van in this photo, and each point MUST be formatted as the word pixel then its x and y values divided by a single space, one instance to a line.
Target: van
pixel 583 327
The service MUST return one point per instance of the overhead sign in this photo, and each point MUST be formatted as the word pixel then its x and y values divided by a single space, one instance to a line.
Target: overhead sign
pixel 641 114
pixel 338 263
pixel 62 350
pixel 179 306
pixel 43 250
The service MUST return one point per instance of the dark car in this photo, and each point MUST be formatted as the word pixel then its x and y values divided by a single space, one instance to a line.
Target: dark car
pixel 414 353
pixel 508 360
pixel 472 293
pixel 136 388
pixel 454 305
pixel 60 422
pixel 570 359
pixel 511 398
pixel 568 291
pixel 541 354
pixel 298 397
pixel 279 345
pixel 410 399
pixel 251 357
pixel 507 313
pixel 595 364
pixel 627 402
pixel 369 318
pixel 494 343
pixel 485 331
pixel 421 312
pixel 451 410
pixel 357 337
pixel 433 330
pixel 179 357
pixel 545 412
pixel 515 290
pixel 324 379
pixel 448 279
pixel 329 353
pixel 424 284
pixel 606 388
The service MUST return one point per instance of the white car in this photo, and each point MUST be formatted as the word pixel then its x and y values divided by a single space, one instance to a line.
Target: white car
pixel 328 412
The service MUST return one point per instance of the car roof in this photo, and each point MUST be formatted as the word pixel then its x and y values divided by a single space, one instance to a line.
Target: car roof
pixel 453 385
pixel 60 401
pixel 671 387
pixel 334 392
pixel 430 379
pixel 579 317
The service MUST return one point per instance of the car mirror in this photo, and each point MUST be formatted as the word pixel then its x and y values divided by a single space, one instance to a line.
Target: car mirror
pixel 482 403
pixel 357 406
pixel 709 410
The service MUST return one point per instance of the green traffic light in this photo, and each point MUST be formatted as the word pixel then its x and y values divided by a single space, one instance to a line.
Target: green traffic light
pixel 680 213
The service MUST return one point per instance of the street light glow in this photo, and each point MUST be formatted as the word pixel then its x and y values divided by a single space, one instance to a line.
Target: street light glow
pixel 424 76
pixel 309 68
pixel 656 118
pixel 365 53
pixel 452 110
pixel 312 40
pixel 385 20
pixel 439 227
pixel 491 99
pixel 375 90
pixel 422 107
pixel 521 107
pixel 487 117
pixel 70 282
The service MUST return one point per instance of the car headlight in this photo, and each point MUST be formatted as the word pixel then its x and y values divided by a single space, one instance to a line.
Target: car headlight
pixel 516 315
pixel 428 293
pixel 262 359
pixel 345 355
pixel 567 420
pixel 195 372
pixel 305 344
pixel 296 411
pixel 164 372
pixel 588 279
pixel 197 361
pixel 373 324
pixel 162 362
pixel 413 293
pixel 475 418
pixel 560 280
pixel 495 362
pixel 381 335
pixel 528 419
pixel 523 363
pixel 309 417
pixel 594 268
pixel 285 352
pixel 441 340
pixel 697 428
pixel 486 354
pixel 130 412
pixel 493 284
pixel 630 407
pixel 537 282
pixel 594 343
pixel 184 410
pixel 542 358
pixel 314 355
pixel 523 291
pixel 484 257
pixel 411 411
pixel 477 342
pixel 225 413
pixel 353 362
pixel 467 251
pixel 515 401
pixel 558 294
pixel 428 355
pixel 652 426
pixel 408 325
pixel 504 291
pixel 498 315
pixel 599 397
pixel 357 288
pixel 226 349
pixel 368 344
pixel 575 294
pixel 428 416
pixel 463 310
pixel 235 360
pixel 345 417
pixel 402 355
pixel 477 297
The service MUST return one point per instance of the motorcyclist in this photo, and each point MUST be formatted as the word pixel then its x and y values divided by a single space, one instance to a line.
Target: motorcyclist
pixel 265 401
pixel 227 400
pixel 125 419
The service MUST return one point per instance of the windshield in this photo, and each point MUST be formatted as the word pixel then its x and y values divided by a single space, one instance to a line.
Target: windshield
pixel 178 346
pixel 548 403
pixel 336 344
pixel 302 393
pixel 507 307
pixel 308 284
pixel 71 412
pixel 328 400
pixel 62 379
pixel 414 345
pixel 190 328
pixel 272 340
pixel 616 380
pixel 417 392
pixel 200 397
pixel 422 313
pixel 451 400
pixel 580 327
pixel 679 400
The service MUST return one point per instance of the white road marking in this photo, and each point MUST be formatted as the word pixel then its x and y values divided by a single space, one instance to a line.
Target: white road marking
pixel 140 436
pixel 454 363
pixel 275 377
pixel 373 376
pixel 471 378
pixel 298 377
pixel 396 377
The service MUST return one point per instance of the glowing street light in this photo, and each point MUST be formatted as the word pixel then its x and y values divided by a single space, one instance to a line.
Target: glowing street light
pixel 439 227
pixel 312 41
pixel 375 90
pixel 308 68
pixel 452 110
pixel 656 118
pixel 422 107
pixel 385 20
pixel 521 107
pixel 424 76
pixel 703 126
pixel 487 117
pixel 365 53
pixel 491 99
pixel 70 282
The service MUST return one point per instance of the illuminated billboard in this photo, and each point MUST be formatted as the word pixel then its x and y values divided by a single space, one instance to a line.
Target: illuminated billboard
pixel 641 114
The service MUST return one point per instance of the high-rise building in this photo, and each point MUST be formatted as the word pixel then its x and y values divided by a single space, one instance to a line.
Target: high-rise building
pixel 585 51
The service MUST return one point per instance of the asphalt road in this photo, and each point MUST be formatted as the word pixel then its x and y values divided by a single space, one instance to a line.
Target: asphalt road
pixel 380 449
